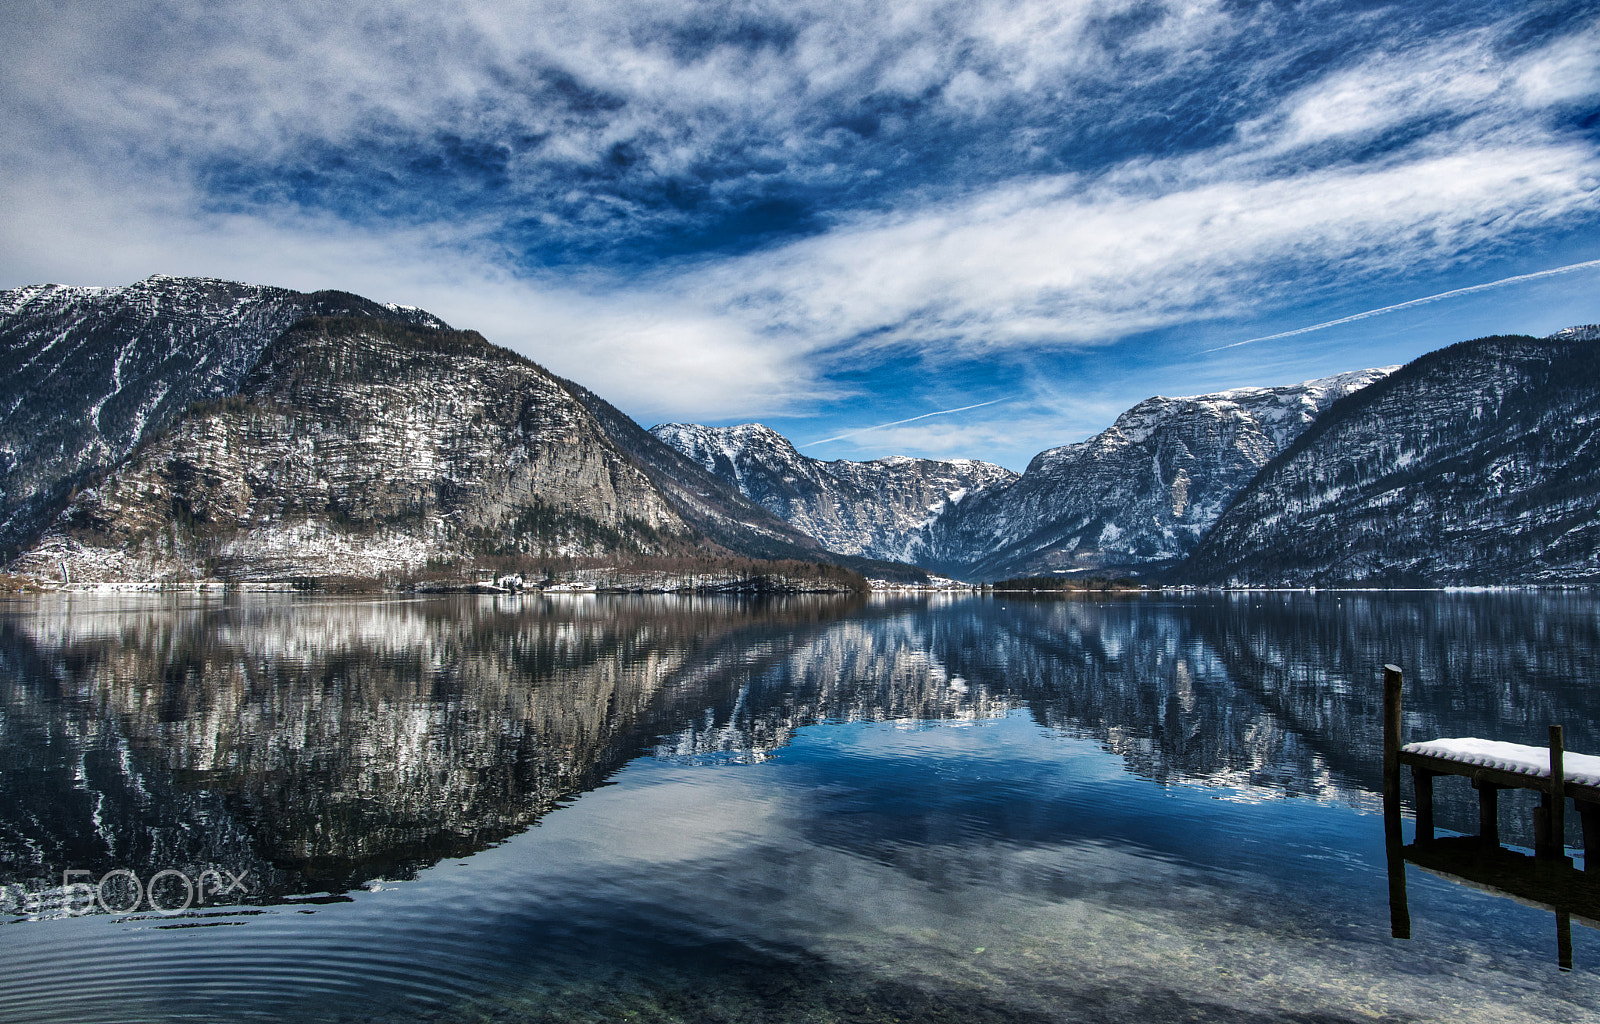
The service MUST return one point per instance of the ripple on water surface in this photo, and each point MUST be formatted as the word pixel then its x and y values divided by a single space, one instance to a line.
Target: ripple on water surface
pixel 931 811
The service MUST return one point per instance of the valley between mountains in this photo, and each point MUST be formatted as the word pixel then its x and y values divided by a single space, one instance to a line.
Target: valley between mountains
pixel 183 431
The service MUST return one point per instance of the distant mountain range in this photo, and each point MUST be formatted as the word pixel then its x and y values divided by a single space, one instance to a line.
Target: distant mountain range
pixel 184 429
pixel 880 509
pixel 1135 497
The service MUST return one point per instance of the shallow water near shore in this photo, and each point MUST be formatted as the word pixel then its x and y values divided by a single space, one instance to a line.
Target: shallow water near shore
pixel 811 809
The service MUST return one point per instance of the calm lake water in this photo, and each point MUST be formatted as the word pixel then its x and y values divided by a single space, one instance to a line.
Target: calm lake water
pixel 673 809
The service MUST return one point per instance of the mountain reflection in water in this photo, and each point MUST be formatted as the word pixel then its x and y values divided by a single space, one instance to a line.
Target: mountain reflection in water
pixel 936 808
pixel 323 743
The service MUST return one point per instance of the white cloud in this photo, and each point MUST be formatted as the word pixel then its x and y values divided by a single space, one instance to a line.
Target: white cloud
pixel 1070 262
pixel 116 116
pixel 645 350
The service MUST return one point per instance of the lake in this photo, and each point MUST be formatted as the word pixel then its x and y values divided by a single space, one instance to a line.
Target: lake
pixel 946 808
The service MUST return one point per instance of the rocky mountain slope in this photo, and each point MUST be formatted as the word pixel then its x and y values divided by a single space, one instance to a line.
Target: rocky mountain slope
pixel 879 509
pixel 1475 464
pixel 363 448
pixel 712 505
pixel 1137 496
pixel 88 373
pixel 1134 497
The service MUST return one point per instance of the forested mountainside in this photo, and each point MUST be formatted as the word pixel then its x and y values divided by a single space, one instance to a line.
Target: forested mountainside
pixel 1475 464
pixel 88 373
pixel 187 429
pixel 370 449
pixel 1139 495
pixel 878 509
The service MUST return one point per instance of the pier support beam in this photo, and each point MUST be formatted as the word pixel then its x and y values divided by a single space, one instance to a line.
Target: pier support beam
pixel 1391 740
pixel 1589 814
pixel 1488 812
pixel 1422 782
pixel 1551 834
pixel 1393 834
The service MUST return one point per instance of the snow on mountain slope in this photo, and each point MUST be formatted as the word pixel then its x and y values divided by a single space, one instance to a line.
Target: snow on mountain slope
pixel 878 509
pixel 362 448
pixel 1139 494
pixel 88 373
pixel 1475 464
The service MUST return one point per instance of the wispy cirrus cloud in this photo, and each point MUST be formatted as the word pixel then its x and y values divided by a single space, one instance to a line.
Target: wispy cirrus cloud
pixel 745 208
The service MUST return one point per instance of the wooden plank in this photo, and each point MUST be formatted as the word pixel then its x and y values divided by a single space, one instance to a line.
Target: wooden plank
pixel 1498 776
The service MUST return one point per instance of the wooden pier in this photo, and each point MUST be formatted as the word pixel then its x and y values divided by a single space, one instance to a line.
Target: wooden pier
pixel 1492 766
pixel 1547 879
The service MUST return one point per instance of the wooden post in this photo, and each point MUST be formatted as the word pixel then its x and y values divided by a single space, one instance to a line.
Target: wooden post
pixel 1399 908
pixel 1556 817
pixel 1422 782
pixel 1488 811
pixel 1391 740
pixel 1564 940
pixel 1393 835
pixel 1590 815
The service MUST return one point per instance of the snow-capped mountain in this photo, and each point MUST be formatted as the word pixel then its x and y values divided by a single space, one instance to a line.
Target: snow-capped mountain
pixel 1139 494
pixel 366 449
pixel 709 503
pixel 1475 464
pixel 879 509
pixel 183 428
pixel 88 373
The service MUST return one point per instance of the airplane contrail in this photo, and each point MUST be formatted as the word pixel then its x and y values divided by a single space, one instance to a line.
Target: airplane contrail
pixel 912 419
pixel 1414 302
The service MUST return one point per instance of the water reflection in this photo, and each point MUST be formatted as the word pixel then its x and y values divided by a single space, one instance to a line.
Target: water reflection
pixel 320 744
pixel 1552 884
pixel 942 809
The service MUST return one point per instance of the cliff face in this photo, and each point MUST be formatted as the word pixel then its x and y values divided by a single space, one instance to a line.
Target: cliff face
pixel 1138 495
pixel 1134 497
pixel 88 373
pixel 363 448
pixel 1475 464
pixel 706 501
pixel 878 509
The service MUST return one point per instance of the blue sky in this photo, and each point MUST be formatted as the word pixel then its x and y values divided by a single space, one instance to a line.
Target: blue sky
pixel 828 216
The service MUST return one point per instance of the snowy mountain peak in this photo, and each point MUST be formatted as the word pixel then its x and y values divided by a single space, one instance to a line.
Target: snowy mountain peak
pixel 94 371
pixel 880 508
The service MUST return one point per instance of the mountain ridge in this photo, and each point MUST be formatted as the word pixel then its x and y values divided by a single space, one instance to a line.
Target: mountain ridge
pixel 1474 464
pixel 358 448
pixel 148 410
pixel 1135 497
pixel 874 509
pixel 86 373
